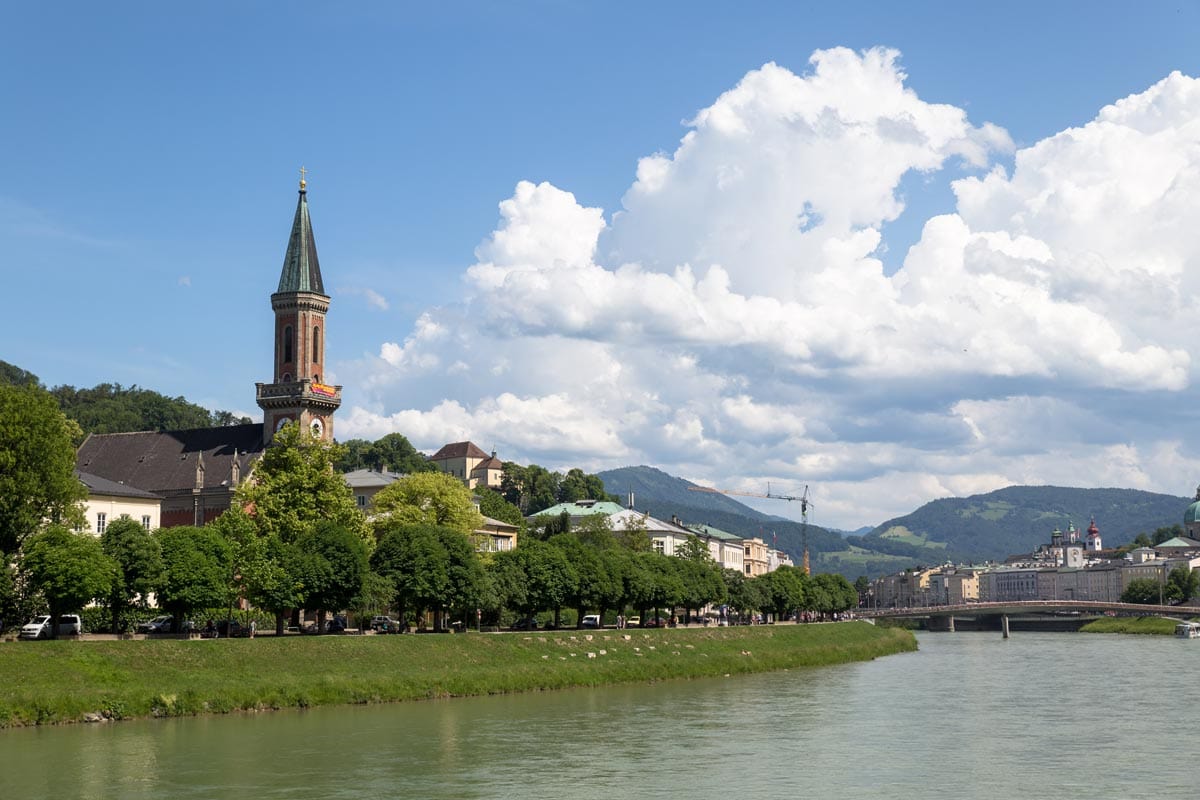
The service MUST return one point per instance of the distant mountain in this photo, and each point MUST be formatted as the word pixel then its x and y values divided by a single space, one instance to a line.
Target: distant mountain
pixel 663 496
pixel 1019 518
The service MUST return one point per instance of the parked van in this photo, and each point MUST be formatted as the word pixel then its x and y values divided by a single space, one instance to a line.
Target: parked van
pixel 591 621
pixel 39 627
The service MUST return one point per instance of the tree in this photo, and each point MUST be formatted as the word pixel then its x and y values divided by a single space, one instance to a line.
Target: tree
pixel 633 535
pixel 13 375
pixel 332 565
pixel 597 584
pixel 549 577
pixel 784 591
pixel 579 486
pixel 745 595
pixel 67 569
pixel 1144 591
pixel 432 568
pixel 428 498
pixel 492 504
pixel 197 568
pixel 37 467
pixel 395 453
pixel 1182 584
pixel 139 565
pixel 294 486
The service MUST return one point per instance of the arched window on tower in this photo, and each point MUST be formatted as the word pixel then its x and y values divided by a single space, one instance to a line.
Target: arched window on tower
pixel 316 351
pixel 287 345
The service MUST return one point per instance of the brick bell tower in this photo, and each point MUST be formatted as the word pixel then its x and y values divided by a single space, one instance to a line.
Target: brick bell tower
pixel 297 393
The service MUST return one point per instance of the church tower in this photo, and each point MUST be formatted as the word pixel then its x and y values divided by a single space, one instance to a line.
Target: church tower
pixel 297 393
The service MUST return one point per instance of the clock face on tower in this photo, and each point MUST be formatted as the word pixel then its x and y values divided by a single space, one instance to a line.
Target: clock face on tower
pixel 317 428
pixel 280 423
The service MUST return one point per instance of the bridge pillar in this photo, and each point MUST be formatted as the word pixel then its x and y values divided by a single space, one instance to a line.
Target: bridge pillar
pixel 950 623
pixel 1004 625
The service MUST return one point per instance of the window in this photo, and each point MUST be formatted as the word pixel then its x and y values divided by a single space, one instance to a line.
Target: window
pixel 287 345
pixel 316 351
pixel 146 521
pixel 361 499
pixel 101 522
pixel 659 546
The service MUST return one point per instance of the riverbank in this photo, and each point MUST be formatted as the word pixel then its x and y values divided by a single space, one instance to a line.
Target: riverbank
pixel 62 681
pixel 1152 626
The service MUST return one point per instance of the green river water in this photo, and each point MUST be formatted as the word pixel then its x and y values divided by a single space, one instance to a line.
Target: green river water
pixel 1041 715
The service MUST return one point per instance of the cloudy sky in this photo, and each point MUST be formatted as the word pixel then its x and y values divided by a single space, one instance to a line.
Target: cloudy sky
pixel 893 256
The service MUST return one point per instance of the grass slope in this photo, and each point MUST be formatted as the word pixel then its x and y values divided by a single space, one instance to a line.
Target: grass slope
pixel 60 681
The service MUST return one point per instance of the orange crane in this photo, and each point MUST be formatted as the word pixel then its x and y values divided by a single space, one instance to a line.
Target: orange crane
pixel 802 498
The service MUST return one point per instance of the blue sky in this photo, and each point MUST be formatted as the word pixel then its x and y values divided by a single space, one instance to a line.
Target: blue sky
pixel 148 165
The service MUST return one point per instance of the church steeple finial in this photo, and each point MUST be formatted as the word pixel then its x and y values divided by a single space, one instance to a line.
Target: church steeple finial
pixel 301 268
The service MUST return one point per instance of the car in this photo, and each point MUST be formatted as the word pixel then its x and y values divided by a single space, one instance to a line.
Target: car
pixel 655 622
pixel 160 624
pixel 590 621
pixel 633 622
pixel 40 627
pixel 385 624
pixel 526 624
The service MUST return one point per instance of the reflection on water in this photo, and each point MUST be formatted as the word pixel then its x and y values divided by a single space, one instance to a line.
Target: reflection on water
pixel 970 715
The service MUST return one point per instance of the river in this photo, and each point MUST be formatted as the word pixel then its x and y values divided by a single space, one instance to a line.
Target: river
pixel 1040 715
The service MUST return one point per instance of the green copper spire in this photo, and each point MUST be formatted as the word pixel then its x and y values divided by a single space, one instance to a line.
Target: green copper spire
pixel 301 269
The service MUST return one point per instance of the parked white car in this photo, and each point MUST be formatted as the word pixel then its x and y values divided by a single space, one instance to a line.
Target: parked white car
pixel 39 627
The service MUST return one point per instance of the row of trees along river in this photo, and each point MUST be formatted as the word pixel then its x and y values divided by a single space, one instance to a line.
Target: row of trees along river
pixel 296 540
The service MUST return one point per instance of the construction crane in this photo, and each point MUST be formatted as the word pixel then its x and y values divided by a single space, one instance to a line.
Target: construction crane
pixel 802 499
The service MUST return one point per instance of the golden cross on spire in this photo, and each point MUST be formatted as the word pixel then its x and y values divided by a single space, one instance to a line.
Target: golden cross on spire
pixel 302 173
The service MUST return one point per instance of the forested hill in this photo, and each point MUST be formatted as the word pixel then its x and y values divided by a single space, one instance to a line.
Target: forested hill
pixel 1019 518
pixel 112 408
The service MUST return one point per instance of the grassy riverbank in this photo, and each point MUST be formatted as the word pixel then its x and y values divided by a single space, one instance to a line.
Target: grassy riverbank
pixel 1153 626
pixel 56 682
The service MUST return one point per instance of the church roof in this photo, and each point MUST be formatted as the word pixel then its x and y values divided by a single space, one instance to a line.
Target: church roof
pixel 458 450
pixel 1178 542
pixel 491 463
pixel 301 270
pixel 166 461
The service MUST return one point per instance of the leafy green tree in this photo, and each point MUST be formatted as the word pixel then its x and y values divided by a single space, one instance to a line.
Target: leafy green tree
pixel 67 569
pixel 832 594
pixel 546 526
pixel 428 498
pixel 37 467
pixel 1141 540
pixel 197 568
pixel 745 595
pixel 260 569
pixel 1144 591
pixel 1182 584
pixel 532 488
pixel 597 580
pixel 550 578
pixel 508 585
pixel 294 486
pixel 139 565
pixel 431 567
pixel 13 375
pixel 331 564
pixel 577 485
pixel 862 585
pixel 1167 532
pixel 492 504
pixel 395 453
pixel 784 590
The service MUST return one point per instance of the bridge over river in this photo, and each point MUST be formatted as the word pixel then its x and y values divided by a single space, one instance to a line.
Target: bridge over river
pixel 1071 613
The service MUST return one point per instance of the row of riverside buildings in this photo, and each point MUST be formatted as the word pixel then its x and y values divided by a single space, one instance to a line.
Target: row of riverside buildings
pixel 1070 567
pixel 188 477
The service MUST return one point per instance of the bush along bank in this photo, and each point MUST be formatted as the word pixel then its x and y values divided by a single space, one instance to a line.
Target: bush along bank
pixel 63 681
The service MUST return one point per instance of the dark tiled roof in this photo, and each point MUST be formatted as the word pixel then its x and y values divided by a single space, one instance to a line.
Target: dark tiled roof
pixel 301 270
pixel 458 450
pixel 103 486
pixel 166 461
